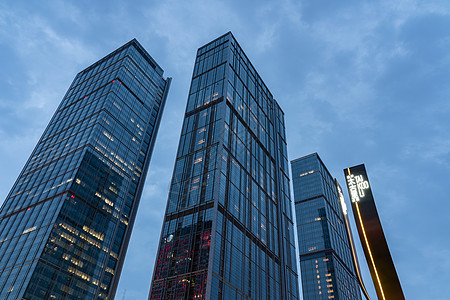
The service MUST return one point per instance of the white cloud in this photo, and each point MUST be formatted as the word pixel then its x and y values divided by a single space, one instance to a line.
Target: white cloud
pixel 184 25
pixel 435 150
pixel 267 37
pixel 43 53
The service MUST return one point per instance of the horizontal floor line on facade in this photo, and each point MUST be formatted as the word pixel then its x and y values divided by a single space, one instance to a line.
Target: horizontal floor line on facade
pixel 251 236
pixel 200 108
pixel 189 211
pixel 33 205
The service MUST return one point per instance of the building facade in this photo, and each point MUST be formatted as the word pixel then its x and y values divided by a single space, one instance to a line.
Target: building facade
pixel 328 269
pixel 65 225
pixel 228 230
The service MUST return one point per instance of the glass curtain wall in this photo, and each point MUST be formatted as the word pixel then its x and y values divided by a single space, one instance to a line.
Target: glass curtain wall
pixel 228 230
pixel 326 262
pixel 65 225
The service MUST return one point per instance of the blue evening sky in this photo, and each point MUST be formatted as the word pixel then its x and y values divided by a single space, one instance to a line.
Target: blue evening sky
pixel 360 82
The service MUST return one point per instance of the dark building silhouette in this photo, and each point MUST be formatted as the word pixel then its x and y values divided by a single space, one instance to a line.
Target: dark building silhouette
pixel 327 260
pixel 373 241
pixel 65 225
pixel 228 229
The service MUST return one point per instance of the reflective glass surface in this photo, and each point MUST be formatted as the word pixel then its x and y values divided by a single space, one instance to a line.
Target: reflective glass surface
pixel 327 269
pixel 228 230
pixel 65 225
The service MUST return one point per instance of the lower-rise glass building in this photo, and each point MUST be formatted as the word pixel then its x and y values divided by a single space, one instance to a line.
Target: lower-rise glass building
pixel 328 269
pixel 65 225
pixel 228 229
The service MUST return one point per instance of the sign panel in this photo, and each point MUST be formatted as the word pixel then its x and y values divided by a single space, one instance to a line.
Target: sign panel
pixel 371 234
pixel 357 186
pixel 341 198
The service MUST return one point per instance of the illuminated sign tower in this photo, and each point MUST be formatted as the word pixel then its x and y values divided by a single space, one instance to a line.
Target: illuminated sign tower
pixel 371 234
pixel 228 228
pixel 327 258
pixel 65 225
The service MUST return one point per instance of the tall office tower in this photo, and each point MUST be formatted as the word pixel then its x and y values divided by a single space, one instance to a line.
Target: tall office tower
pixel 228 231
pixel 326 259
pixel 66 223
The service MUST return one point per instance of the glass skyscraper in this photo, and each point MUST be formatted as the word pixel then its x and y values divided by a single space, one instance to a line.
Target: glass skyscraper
pixel 327 262
pixel 65 225
pixel 228 229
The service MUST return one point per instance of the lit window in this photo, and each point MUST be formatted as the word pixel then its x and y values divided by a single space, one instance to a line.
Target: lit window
pixel 108 136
